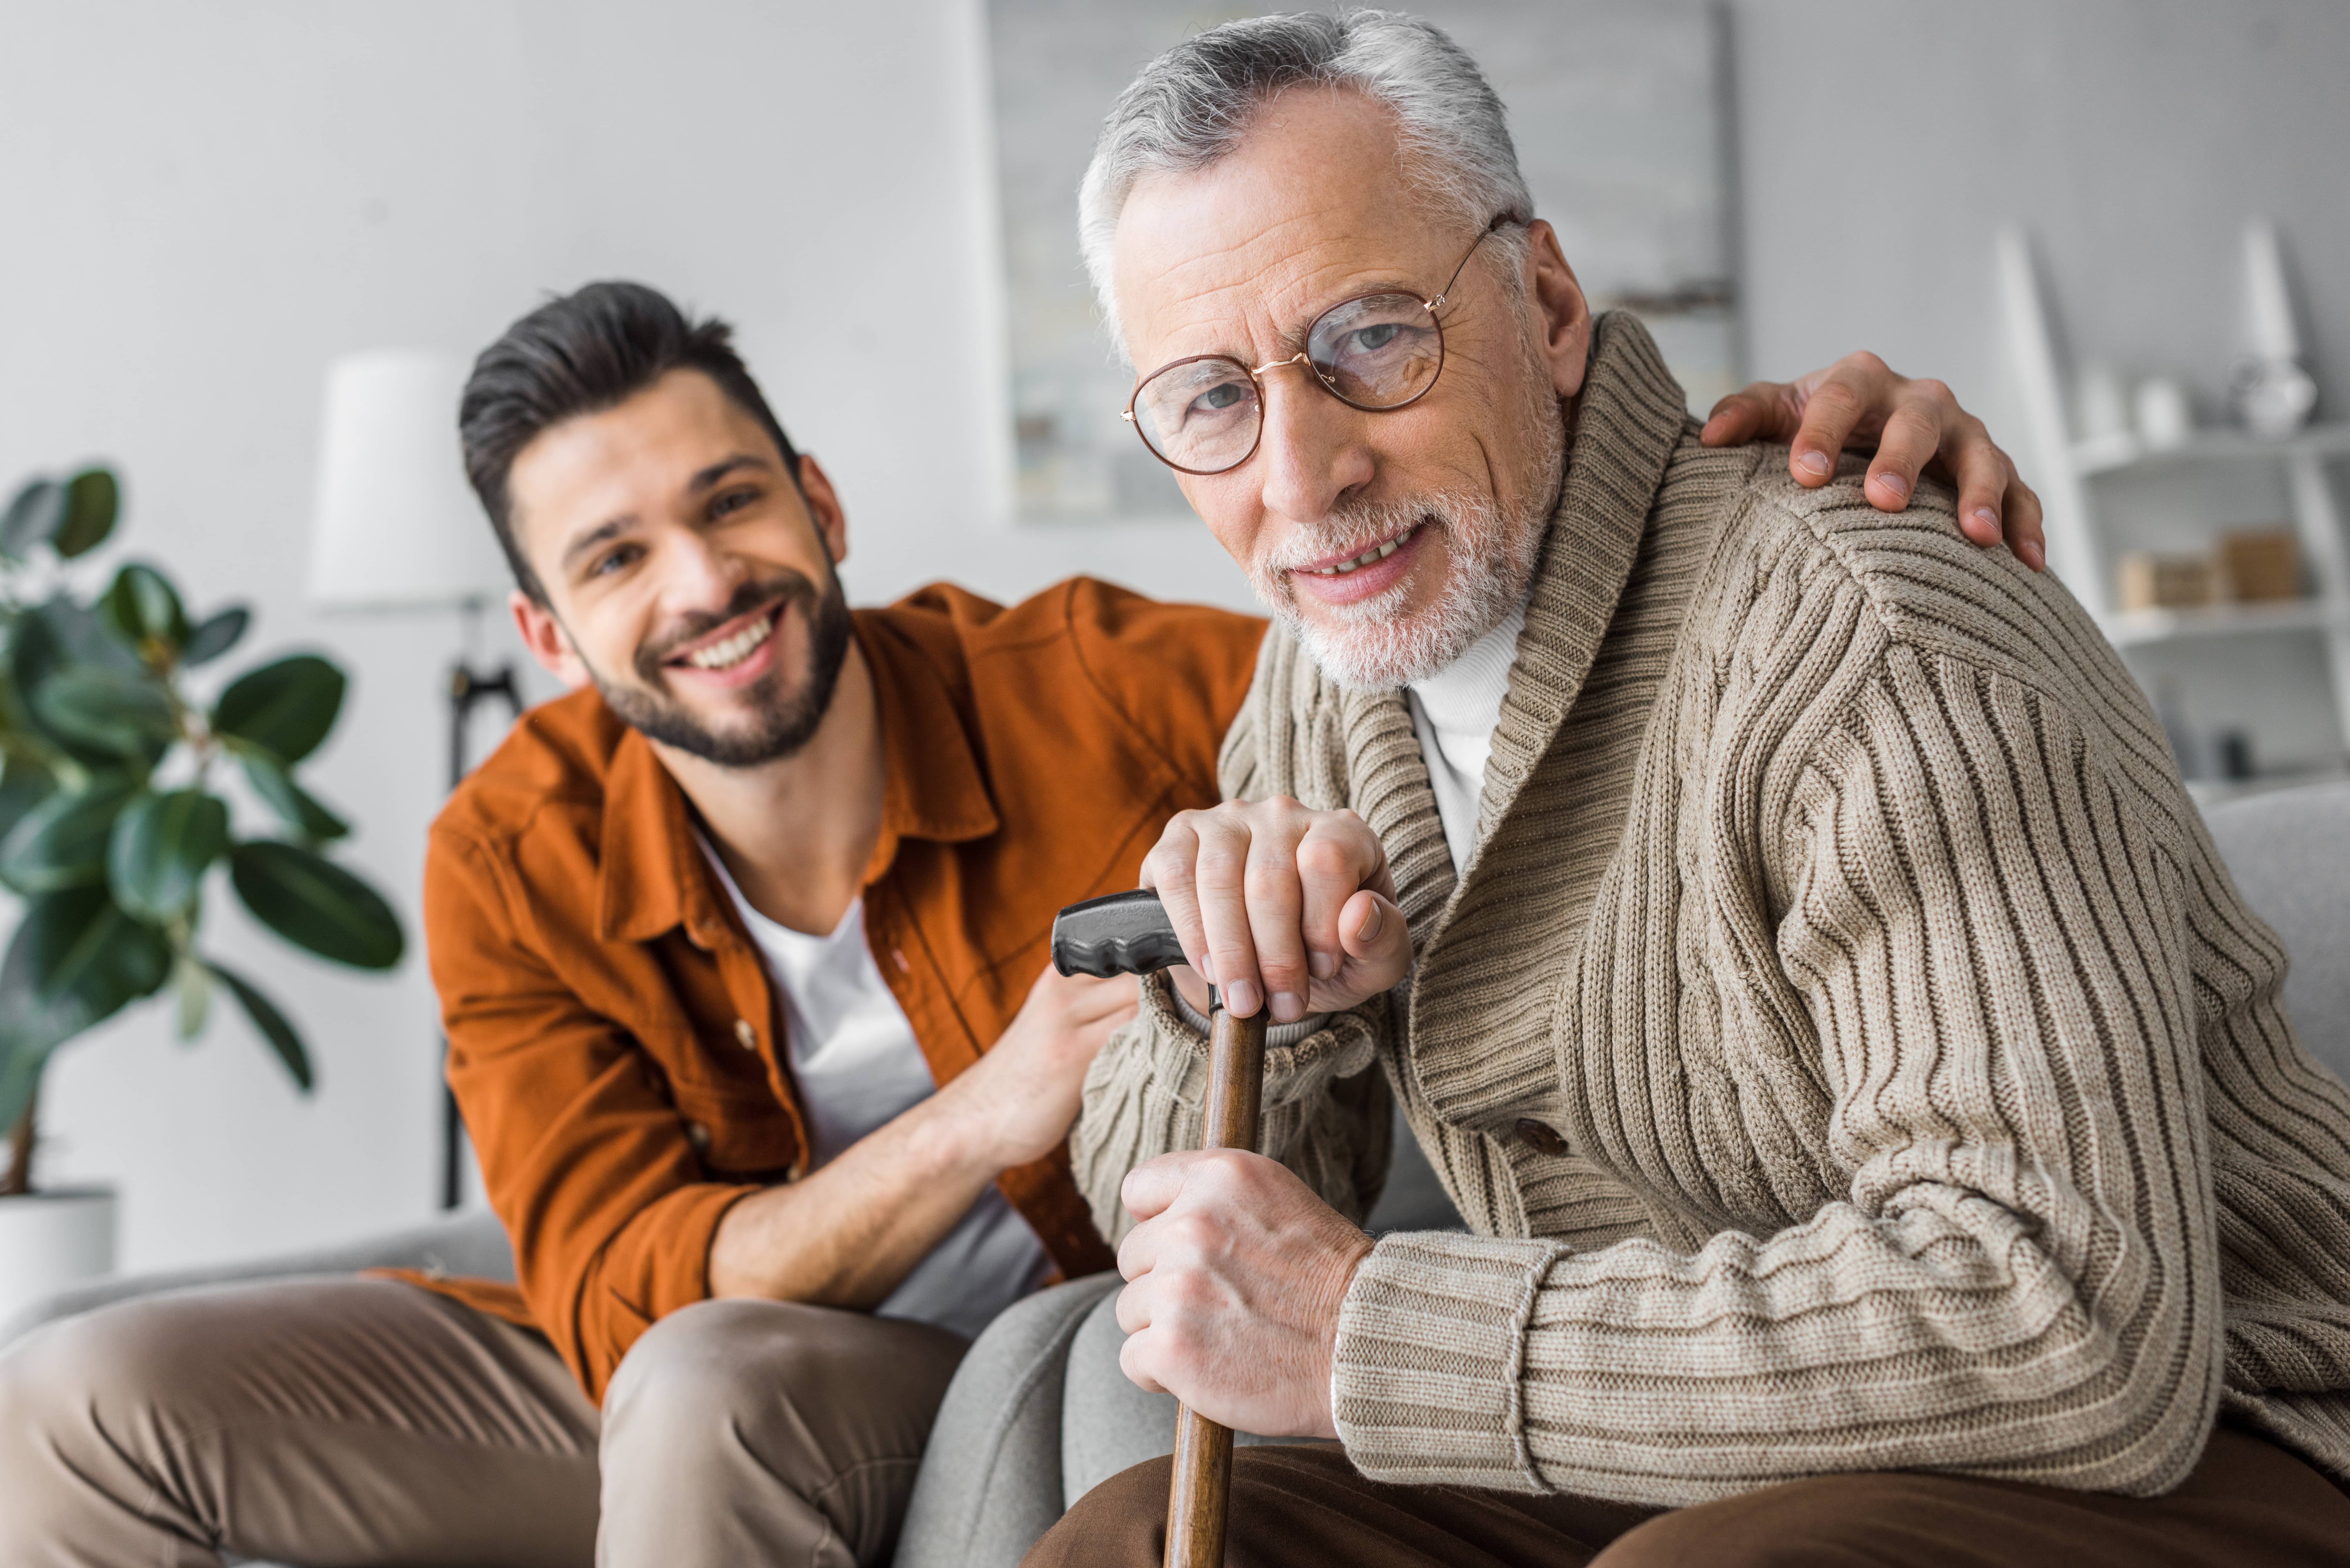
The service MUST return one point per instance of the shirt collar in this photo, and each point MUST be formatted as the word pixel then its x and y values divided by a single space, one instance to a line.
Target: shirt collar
pixel 654 876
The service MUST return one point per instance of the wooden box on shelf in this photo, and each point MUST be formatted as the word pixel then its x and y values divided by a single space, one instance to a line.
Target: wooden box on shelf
pixel 2152 581
pixel 2260 566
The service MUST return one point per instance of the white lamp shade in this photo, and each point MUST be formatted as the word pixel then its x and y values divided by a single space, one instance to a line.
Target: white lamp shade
pixel 396 524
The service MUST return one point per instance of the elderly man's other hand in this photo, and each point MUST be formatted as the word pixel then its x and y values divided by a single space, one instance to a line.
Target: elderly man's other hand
pixel 1273 900
pixel 1234 1279
pixel 1917 427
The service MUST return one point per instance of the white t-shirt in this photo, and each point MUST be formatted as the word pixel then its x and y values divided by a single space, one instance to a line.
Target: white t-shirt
pixel 1454 712
pixel 857 1066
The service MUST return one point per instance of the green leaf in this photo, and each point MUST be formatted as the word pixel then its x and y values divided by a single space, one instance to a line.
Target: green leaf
pixel 161 846
pixel 61 843
pixel 27 785
pixel 287 707
pixel 215 636
pixel 192 993
pixel 272 1024
pixel 296 807
pixel 81 637
pixel 92 500
pixel 112 710
pixel 74 961
pixel 33 655
pixel 141 607
pixel 45 640
pixel 314 903
pixel 33 514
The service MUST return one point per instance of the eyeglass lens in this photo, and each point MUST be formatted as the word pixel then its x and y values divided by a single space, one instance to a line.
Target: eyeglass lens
pixel 1204 416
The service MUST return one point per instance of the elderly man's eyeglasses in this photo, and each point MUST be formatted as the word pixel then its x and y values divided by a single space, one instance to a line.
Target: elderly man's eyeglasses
pixel 1376 352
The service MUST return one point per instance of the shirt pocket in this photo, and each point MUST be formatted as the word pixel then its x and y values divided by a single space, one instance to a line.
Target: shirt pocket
pixel 739 1133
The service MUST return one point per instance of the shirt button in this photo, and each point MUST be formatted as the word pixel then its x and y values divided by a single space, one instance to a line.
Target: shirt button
pixel 745 1036
pixel 1539 1137
pixel 698 1135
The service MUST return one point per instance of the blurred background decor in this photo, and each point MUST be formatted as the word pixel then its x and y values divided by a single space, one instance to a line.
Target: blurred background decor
pixel 1618 110
pixel 2211 554
pixel 115 808
pixel 396 529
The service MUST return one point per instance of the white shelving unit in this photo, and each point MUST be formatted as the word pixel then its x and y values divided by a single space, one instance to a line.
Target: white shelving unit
pixel 2087 531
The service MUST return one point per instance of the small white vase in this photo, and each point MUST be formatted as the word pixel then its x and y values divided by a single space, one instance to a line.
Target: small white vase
pixel 52 1239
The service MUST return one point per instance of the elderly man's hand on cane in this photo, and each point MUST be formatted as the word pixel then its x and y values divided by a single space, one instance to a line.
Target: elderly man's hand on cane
pixel 1236 1273
pixel 1279 905
pixel 1233 1282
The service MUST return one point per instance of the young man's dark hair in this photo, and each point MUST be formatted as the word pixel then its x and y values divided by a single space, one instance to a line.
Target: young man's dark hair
pixel 584 352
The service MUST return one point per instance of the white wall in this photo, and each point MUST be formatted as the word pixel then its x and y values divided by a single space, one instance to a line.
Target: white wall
pixel 1881 146
pixel 1881 143
pixel 200 205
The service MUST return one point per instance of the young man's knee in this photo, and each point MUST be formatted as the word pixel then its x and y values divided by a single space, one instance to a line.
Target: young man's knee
pixel 719 1367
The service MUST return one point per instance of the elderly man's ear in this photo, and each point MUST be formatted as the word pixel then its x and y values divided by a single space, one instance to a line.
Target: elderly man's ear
pixel 1553 291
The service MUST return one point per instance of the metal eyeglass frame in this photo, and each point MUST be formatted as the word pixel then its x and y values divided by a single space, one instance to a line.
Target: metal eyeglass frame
pixel 1430 306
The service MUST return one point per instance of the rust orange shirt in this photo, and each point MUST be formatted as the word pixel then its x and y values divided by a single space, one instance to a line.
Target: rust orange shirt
pixel 613 1040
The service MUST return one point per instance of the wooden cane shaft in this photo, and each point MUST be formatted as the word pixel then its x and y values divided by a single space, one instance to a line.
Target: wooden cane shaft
pixel 1200 1493
pixel 1202 1484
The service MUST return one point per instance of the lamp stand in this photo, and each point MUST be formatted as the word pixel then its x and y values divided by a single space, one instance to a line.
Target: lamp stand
pixel 467 686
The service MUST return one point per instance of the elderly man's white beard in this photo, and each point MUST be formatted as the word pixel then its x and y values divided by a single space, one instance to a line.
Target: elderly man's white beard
pixel 1373 644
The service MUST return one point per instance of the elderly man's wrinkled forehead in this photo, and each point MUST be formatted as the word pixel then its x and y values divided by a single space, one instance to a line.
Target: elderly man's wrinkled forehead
pixel 1320 200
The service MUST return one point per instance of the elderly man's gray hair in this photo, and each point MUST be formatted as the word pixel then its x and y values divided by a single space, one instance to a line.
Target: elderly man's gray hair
pixel 1191 105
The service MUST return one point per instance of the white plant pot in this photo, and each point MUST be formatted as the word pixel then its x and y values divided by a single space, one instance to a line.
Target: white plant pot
pixel 52 1239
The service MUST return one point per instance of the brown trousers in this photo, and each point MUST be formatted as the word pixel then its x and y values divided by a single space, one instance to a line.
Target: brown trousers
pixel 2249 1504
pixel 360 1421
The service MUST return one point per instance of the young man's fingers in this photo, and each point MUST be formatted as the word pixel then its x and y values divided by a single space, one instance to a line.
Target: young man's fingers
pixel 1912 435
pixel 1743 415
pixel 1983 476
pixel 2024 523
pixel 1832 411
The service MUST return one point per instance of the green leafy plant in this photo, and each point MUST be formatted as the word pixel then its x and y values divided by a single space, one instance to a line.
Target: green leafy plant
pixel 110 821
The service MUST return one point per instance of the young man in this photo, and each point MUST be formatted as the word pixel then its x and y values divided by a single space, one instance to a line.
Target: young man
pixel 1783 926
pixel 741 949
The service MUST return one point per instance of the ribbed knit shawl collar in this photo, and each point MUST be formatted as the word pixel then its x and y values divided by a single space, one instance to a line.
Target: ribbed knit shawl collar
pixel 1630 416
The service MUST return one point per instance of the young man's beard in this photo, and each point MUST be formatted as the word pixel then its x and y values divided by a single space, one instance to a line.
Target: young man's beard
pixel 782 720
pixel 1376 645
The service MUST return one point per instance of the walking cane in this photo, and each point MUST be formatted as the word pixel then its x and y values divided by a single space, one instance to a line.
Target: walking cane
pixel 1128 933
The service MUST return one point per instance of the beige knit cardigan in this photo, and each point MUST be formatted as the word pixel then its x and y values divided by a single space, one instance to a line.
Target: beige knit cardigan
pixel 1927 1097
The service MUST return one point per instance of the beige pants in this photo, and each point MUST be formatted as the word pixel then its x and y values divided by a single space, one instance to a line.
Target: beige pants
pixel 361 1421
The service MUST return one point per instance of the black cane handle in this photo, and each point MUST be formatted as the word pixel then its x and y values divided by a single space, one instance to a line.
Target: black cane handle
pixel 1126 933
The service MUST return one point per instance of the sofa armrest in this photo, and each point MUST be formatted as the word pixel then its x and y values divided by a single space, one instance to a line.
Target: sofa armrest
pixel 471 1244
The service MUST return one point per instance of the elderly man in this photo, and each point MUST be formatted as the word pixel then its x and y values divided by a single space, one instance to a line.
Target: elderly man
pixel 1783 926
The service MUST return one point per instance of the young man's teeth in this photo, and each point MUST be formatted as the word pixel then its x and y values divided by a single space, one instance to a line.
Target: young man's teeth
pixel 1376 553
pixel 735 649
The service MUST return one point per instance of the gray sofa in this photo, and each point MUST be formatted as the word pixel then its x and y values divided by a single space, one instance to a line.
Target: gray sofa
pixel 1038 1414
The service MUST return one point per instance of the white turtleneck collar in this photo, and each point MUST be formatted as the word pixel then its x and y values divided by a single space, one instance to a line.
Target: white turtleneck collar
pixel 1454 712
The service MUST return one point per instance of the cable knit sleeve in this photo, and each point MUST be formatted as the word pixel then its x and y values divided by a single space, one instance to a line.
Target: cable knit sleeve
pixel 1961 926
